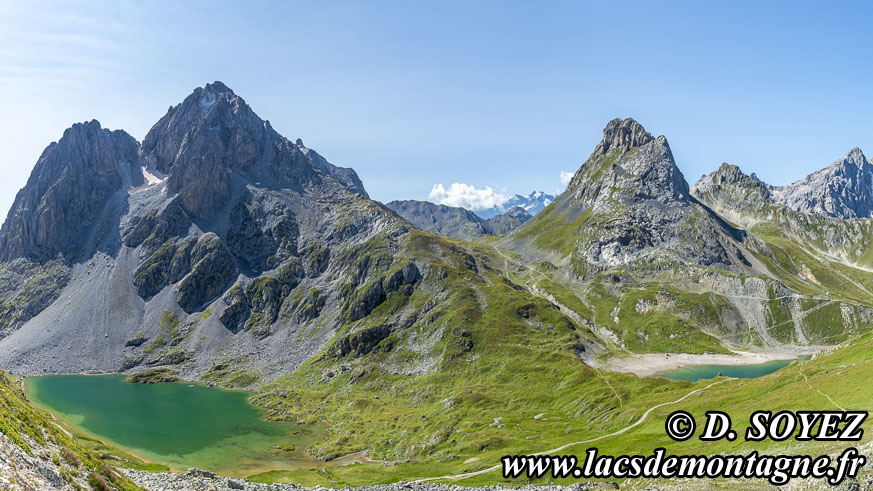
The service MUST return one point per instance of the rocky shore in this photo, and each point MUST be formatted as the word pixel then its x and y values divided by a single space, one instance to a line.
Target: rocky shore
pixel 199 480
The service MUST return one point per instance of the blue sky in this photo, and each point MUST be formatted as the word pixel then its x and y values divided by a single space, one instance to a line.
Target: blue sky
pixel 412 94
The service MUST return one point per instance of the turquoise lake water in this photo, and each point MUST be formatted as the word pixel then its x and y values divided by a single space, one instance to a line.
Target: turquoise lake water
pixel 695 373
pixel 175 424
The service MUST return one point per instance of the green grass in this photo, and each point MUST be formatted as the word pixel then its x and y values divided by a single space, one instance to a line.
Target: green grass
pixel 575 413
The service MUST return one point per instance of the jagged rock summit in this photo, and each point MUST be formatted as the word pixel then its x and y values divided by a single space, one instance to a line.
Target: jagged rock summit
pixel 630 165
pixel 733 194
pixel 630 202
pixel 622 134
pixel 842 190
pixel 75 185
pixel 214 133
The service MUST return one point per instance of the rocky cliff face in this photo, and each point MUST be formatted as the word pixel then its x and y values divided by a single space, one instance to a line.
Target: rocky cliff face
pixel 842 190
pixel 68 194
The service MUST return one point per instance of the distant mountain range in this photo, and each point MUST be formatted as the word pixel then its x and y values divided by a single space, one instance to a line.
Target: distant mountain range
pixel 457 222
pixel 532 203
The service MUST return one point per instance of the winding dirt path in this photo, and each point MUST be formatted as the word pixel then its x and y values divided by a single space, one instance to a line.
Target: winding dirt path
pixel 456 477
pixel 820 392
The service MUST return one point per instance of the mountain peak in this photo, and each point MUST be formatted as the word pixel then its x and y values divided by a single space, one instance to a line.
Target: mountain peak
pixel 218 87
pixel 843 189
pixel 629 164
pixel 624 134
pixel 856 156
pixel 211 135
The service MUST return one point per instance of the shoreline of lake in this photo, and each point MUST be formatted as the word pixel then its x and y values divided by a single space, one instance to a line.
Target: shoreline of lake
pixel 650 364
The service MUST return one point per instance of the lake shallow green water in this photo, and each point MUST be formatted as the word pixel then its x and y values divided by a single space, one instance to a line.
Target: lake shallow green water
pixel 695 373
pixel 175 424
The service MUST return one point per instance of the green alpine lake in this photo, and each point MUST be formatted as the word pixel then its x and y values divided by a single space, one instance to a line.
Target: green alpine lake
pixel 176 424
pixel 698 372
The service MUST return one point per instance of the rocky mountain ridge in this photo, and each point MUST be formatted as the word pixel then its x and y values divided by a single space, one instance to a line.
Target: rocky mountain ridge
pixel 457 222
pixel 842 190
pixel 634 203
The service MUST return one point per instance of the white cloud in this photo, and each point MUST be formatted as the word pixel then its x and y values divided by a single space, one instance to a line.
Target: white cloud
pixel 467 196
pixel 565 177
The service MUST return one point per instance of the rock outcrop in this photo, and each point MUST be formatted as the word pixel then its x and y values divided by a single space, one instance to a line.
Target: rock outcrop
pixel 345 175
pixel 736 196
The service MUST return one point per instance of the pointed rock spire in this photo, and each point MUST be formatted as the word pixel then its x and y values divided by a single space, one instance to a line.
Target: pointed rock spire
pixel 623 134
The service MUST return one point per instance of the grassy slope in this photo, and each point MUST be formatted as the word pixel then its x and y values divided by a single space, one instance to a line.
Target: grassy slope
pixel 843 375
pixel 20 421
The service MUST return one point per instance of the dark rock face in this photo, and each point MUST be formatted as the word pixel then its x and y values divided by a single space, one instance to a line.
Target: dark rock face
pixel 237 311
pixel 212 271
pixel 361 343
pixel 378 290
pixel 67 193
pixel 27 289
pixel 262 234
pixel 156 226
pixel 198 142
pixel 842 190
